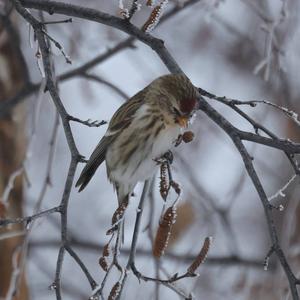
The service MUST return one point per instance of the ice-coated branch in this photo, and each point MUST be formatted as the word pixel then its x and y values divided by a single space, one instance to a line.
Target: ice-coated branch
pixel 75 157
pixel 281 191
pixel 231 260
pixel 84 269
pixel 156 44
pixel 59 47
pixel 77 11
pixel 28 219
pixel 88 122
pixel 233 103
pixel 30 88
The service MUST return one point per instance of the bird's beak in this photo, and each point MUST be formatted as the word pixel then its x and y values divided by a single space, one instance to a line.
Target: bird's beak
pixel 183 121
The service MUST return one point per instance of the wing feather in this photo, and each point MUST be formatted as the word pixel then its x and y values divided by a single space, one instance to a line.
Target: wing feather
pixel 120 120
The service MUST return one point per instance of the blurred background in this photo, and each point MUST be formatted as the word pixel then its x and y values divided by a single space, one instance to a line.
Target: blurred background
pixel 241 49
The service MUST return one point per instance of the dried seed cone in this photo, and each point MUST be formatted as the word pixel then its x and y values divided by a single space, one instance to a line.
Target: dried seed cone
pixel 106 250
pixel 164 231
pixel 151 20
pixel 154 16
pixel 103 263
pixel 119 213
pixel 201 256
pixel 150 2
pixel 163 184
pixel 188 136
pixel 115 291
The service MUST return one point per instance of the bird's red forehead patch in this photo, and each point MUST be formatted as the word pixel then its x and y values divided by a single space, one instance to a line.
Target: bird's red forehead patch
pixel 187 105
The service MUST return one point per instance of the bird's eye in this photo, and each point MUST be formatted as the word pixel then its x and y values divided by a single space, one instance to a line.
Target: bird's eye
pixel 176 111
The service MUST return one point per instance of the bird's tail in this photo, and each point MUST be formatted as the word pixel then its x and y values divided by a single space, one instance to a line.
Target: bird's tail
pixel 96 159
pixel 87 174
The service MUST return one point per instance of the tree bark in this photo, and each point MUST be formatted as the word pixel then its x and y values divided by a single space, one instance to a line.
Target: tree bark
pixel 13 75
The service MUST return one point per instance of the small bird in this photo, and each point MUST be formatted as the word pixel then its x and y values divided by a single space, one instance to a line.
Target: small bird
pixel 141 131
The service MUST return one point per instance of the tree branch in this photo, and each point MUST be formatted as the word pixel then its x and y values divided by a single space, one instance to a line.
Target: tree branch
pixel 30 88
pixel 229 261
pixel 28 219
pixel 97 16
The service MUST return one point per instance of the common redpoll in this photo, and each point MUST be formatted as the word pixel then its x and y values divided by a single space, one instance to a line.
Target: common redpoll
pixel 142 130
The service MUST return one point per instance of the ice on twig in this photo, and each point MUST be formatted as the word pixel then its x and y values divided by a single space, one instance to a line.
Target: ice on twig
pixel 280 192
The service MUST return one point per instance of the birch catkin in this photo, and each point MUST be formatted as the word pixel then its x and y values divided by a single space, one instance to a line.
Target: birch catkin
pixel 201 256
pixel 163 184
pixel 155 16
pixel 164 231
pixel 114 293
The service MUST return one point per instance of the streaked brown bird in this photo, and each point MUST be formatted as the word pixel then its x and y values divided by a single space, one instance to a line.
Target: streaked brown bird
pixel 142 130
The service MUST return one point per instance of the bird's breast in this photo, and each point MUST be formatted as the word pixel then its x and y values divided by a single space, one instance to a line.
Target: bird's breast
pixel 131 157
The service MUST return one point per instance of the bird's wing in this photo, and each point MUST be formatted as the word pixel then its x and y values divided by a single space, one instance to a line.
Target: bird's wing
pixel 123 116
pixel 120 120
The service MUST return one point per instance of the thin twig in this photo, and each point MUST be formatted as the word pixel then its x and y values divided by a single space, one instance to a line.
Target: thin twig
pixel 136 231
pixel 69 20
pixel 28 219
pixel 232 103
pixel 88 122
pixel 131 259
pixel 100 80
pixel 59 47
pixel 75 157
pixel 91 280
pixel 231 260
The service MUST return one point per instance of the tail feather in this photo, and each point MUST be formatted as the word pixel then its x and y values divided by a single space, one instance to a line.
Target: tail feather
pixel 88 172
pixel 96 159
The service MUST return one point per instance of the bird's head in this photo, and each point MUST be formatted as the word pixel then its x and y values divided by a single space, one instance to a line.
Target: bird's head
pixel 182 97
